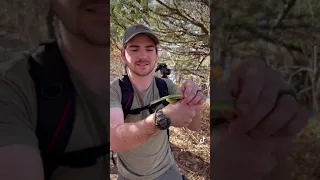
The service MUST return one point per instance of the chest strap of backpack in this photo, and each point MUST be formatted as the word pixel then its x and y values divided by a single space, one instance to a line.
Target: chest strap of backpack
pixel 56 100
pixel 128 94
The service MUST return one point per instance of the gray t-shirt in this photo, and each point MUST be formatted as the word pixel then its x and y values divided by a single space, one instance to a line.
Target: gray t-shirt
pixel 154 157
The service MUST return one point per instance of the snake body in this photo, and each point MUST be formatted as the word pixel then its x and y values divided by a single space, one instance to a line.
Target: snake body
pixel 172 98
pixel 216 105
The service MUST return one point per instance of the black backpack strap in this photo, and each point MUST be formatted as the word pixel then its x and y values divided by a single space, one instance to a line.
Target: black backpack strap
pixel 56 103
pixel 163 89
pixel 56 112
pixel 127 94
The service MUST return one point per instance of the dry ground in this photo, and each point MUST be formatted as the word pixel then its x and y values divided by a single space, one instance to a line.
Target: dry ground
pixel 306 156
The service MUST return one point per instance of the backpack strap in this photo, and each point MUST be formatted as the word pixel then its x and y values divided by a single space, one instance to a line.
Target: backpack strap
pixel 163 89
pixel 127 94
pixel 56 103
pixel 56 100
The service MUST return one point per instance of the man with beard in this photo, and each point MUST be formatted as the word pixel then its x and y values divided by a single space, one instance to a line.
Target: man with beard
pixel 83 27
pixel 139 139
pixel 84 44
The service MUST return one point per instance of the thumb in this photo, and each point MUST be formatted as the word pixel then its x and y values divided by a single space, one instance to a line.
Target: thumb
pixel 183 86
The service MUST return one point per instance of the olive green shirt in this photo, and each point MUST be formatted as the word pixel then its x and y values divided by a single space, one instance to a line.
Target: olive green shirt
pixel 18 118
pixel 153 158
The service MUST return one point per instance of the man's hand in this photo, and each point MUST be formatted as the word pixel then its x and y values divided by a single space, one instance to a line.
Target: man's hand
pixel 192 94
pixel 180 114
pixel 260 110
pixel 262 127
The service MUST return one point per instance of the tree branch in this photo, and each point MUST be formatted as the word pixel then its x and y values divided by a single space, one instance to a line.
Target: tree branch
pixel 285 11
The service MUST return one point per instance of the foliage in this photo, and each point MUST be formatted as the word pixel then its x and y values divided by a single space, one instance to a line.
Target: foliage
pixel 182 27
pixel 285 34
pixel 22 27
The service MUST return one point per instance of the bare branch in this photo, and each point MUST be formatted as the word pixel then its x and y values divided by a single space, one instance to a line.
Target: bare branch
pixel 285 11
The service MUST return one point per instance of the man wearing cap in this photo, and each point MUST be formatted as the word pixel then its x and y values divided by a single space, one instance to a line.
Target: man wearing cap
pixel 83 28
pixel 142 146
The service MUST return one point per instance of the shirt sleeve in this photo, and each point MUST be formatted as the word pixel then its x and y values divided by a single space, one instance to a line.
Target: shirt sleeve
pixel 172 88
pixel 17 121
pixel 115 95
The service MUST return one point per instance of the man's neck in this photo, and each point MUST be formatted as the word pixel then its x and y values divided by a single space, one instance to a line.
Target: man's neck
pixel 142 83
pixel 91 62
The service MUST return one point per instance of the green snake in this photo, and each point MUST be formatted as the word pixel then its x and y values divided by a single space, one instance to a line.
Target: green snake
pixel 172 98
pixel 216 105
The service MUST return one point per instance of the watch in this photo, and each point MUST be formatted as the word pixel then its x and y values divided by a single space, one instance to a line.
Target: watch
pixel 161 120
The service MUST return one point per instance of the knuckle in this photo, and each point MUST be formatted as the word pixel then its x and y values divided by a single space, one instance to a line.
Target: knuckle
pixel 288 104
pixel 193 94
pixel 188 91
pixel 199 98
pixel 267 127
pixel 269 97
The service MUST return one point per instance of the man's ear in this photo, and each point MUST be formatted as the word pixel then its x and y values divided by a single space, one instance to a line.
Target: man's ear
pixel 122 54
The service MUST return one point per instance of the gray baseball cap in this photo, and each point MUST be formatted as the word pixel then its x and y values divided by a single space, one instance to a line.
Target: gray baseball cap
pixel 131 31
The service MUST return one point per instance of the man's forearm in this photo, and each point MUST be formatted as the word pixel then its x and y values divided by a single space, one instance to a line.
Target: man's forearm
pixel 195 125
pixel 130 135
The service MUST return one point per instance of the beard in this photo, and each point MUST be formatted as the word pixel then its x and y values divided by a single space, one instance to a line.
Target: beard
pixel 135 68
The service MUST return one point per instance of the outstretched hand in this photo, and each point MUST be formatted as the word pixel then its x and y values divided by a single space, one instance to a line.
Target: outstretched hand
pixel 193 95
pixel 261 108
